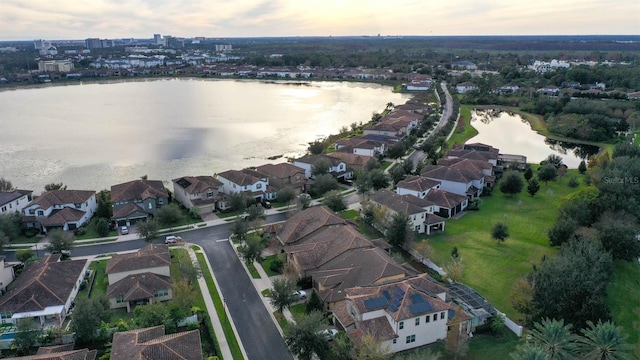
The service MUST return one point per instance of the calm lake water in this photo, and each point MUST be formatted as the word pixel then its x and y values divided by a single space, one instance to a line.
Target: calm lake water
pixel 513 135
pixel 91 136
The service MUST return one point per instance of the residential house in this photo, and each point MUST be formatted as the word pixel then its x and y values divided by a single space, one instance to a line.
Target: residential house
pixel 60 352
pixel 420 211
pixel 418 85
pixel 6 275
pixel 361 146
pixel 383 128
pixel 138 278
pixel 44 291
pixel 337 168
pixel 466 86
pixel 137 200
pixel 460 181
pixel 414 106
pixel 446 204
pixel 61 209
pixel 549 90
pixel 479 166
pixel 202 192
pixel 14 201
pixel 249 182
pixel 475 151
pixel 467 65
pixel 354 162
pixel 508 89
pixel 417 186
pixel 401 315
pixel 285 175
pixel 152 343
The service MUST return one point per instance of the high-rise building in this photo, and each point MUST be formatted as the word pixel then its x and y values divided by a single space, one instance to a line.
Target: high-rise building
pixel 157 39
pixel 93 43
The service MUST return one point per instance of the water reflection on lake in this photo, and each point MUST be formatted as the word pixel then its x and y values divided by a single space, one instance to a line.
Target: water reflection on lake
pixel 513 135
pixel 91 136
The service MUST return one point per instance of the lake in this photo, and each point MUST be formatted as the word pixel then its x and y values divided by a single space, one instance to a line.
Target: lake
pixel 91 136
pixel 512 134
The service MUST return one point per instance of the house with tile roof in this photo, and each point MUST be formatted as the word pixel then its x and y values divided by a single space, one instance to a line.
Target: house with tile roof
pixel 44 291
pixel 361 146
pixel 152 343
pixel 446 204
pixel 61 209
pixel 354 161
pixel 464 87
pixel 475 151
pixel 305 223
pixel 402 315
pixel 479 166
pixel 285 175
pixel 417 186
pixel 461 181
pixel 420 211
pixel 138 278
pixel 337 167
pixel 14 201
pixel 60 352
pixel 203 192
pixel 247 181
pixel 137 200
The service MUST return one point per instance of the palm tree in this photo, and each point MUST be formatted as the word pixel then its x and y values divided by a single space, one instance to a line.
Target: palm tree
pixel 529 352
pixel 555 338
pixel 604 341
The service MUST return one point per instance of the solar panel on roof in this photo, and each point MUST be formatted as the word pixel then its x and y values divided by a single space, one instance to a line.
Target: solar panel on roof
pixel 386 294
pixel 417 298
pixel 420 307
pixel 375 303
pixel 393 308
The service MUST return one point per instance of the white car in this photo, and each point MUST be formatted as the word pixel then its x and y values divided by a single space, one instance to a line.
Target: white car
pixel 172 239
pixel 329 334
pixel 299 294
pixel 124 230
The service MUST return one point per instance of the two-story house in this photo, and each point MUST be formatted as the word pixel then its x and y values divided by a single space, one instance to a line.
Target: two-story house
pixel 152 343
pixel 420 211
pixel 285 175
pixel 466 87
pixel 336 167
pixel 14 201
pixel 44 291
pixel 456 180
pixel 417 186
pixel 137 200
pixel 401 315
pixel 247 181
pixel 61 209
pixel 361 146
pixel 139 278
pixel 202 192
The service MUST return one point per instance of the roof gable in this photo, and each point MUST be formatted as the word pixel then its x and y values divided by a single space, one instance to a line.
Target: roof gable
pixel 138 189
pixel 61 197
pixel 306 222
pixel 151 256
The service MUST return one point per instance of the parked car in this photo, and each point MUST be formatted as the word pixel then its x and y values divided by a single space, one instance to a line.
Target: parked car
pixel 266 204
pixel 172 239
pixel 329 334
pixel 299 294
pixel 305 196
pixel 124 230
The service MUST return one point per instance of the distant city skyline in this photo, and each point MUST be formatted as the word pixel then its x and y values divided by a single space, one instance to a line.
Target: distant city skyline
pixel 80 19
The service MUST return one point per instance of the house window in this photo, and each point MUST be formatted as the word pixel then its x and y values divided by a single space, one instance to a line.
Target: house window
pixel 435 317
pixel 441 316
pixel 417 321
pixel 161 293
pixel 427 318
pixel 401 325
pixel 209 194
pixel 119 299
pixel 395 341
pixel 4 208
pixel 258 186
pixel 78 206
pixel 31 211
pixel 150 206
pixel 160 201
pixel 411 339
pixel 40 212
pixel 6 315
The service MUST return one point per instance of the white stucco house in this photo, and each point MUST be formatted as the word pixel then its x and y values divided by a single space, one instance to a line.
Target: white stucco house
pixel 14 201
pixel 420 211
pixel 61 209
pixel 247 181
pixel 337 167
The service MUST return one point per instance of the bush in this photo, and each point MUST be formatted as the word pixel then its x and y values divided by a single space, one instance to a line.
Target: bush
pixel 276 265
pixel 81 231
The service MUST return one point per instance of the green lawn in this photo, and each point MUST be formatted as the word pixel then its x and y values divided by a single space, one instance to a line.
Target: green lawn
pixel 491 267
pixel 464 130
pixel 385 164
pixel 623 298
pixel 483 346
pixel 349 214
pixel 253 271
pixel 266 265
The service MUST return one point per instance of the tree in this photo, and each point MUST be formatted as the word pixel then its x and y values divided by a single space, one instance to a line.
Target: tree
pixel 555 338
pixel 363 184
pixel 184 295
pixel 151 315
pixel 528 173
pixel 237 202
pixel 511 183
pixel 323 184
pixel 372 164
pixel 573 182
pixel 617 232
pixel 105 206
pixel 23 255
pixel 304 337
pixel 102 227
pixel 316 147
pixel 187 271
pixel 169 214
pixel 378 179
pixel 286 195
pixel 422 354
pixel 547 173
pixel 343 349
pixel 582 167
pixel 27 336
pixel 533 187
pixel 255 212
pixel 500 231
pixel 55 186
pixel 303 202
pixel 397 174
pixel 314 303
pixel 603 341
pixel 407 166
pixel 251 250
pixel 372 349
pixel 522 299
pixel 454 269
pixel 529 352
pixel 554 160
pixel 497 325
pixel 87 317
pixel 281 294
pixel 10 224
pixel 59 241
pixel 148 229
pixel 321 167
pixel 397 150
pixel 562 231
pixel 399 230
pixel 334 201
pixel 240 228
pixel 194 212
pixel 6 185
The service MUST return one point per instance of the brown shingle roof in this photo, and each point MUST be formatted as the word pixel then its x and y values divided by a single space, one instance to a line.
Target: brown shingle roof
pixel 306 222
pixel 313 159
pixel 242 178
pixel 7 197
pixel 150 256
pixel 280 171
pixel 444 198
pixel 417 183
pixel 151 343
pixel 399 203
pixel 198 184
pixel 61 197
pixel 127 210
pixel 138 286
pixel 439 172
pixel 138 189
pixel 350 158
pixel 62 216
pixel 60 352
pixel 47 282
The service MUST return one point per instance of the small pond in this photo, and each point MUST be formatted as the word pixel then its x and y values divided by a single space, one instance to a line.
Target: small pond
pixel 513 135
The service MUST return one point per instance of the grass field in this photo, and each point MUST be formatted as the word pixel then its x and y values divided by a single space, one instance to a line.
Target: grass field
pixel 624 300
pixel 491 267
pixel 464 131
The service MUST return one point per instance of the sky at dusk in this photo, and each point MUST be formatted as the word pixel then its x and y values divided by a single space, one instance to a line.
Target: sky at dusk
pixel 80 19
